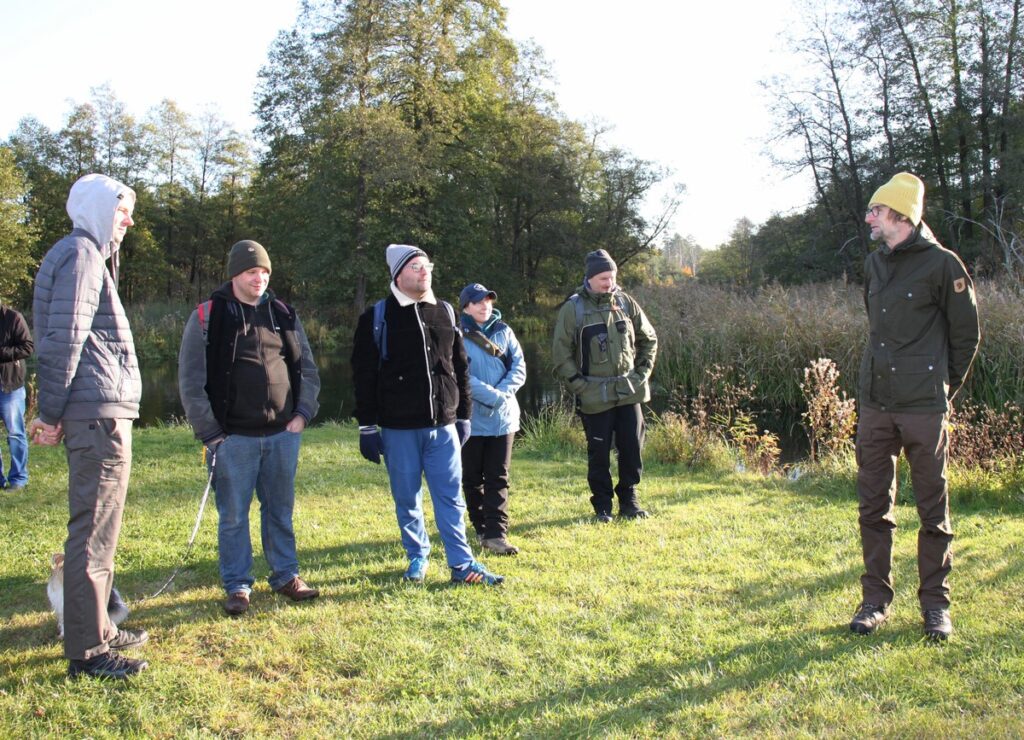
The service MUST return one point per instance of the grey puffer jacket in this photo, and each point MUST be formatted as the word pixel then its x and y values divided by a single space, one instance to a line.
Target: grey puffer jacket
pixel 87 366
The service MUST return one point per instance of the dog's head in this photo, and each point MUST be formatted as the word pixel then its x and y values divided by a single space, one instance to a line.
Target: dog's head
pixel 56 561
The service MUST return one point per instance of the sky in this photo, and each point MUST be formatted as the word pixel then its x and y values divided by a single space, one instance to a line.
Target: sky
pixel 674 83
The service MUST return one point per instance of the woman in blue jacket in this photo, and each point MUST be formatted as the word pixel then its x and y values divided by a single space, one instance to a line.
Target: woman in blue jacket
pixel 496 371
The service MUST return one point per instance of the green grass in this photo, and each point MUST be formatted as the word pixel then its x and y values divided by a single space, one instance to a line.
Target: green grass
pixel 724 614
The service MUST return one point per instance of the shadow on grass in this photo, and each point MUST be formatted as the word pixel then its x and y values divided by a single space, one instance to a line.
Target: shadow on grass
pixel 711 680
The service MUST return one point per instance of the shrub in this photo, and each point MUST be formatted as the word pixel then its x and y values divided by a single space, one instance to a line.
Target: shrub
pixel 672 440
pixel 556 429
pixel 831 418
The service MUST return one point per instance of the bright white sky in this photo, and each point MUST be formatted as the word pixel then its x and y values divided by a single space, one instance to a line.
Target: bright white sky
pixel 675 81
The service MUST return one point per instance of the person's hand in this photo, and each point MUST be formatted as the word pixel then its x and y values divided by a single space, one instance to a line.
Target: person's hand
pixel 463 428
pixel 45 434
pixel 214 444
pixel 501 398
pixel 297 424
pixel 371 445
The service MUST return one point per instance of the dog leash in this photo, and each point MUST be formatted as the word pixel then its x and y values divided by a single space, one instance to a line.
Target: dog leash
pixel 195 529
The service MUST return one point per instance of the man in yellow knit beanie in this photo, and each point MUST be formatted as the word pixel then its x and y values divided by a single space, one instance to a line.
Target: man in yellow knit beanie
pixel 922 338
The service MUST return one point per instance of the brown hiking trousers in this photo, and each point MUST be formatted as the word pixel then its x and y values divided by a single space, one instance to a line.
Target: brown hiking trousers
pixel 924 439
pixel 99 463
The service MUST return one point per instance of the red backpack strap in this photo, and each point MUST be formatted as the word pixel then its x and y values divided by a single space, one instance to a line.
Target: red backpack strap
pixel 203 311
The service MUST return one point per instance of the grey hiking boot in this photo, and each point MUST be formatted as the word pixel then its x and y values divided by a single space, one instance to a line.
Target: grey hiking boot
pixel 937 624
pixel 869 617
pixel 499 546
pixel 125 639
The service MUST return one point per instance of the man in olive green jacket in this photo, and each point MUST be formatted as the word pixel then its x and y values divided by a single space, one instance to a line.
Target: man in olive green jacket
pixel 923 336
pixel 603 350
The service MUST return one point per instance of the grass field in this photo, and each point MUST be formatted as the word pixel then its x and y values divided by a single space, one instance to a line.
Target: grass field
pixel 725 614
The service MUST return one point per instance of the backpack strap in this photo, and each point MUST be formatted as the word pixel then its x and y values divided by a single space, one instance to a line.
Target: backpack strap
pixel 380 331
pixel 620 303
pixel 203 313
pixel 451 315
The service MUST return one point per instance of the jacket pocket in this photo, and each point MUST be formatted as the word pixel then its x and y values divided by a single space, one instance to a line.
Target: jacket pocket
pixel 596 393
pixel 915 381
pixel 625 388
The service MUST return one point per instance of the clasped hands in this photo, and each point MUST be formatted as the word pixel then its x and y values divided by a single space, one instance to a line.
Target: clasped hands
pixel 45 434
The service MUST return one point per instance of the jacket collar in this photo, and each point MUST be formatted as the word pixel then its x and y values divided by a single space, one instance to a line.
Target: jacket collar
pixel 404 300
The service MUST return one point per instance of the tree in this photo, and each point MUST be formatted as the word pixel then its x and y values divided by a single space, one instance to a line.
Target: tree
pixel 16 233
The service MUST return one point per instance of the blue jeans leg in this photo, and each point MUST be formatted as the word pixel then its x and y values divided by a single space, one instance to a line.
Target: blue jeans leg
pixel 432 452
pixel 12 411
pixel 403 456
pixel 236 469
pixel 275 489
pixel 442 466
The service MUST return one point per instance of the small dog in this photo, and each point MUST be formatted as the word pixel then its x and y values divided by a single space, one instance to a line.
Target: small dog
pixel 117 610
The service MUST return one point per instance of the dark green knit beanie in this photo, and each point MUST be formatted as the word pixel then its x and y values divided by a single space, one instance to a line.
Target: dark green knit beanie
pixel 247 254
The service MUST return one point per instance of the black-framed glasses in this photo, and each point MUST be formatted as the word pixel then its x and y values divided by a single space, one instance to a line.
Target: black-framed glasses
pixel 875 211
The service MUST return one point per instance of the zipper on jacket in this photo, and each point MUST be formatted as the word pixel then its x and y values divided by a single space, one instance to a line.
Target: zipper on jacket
pixel 426 363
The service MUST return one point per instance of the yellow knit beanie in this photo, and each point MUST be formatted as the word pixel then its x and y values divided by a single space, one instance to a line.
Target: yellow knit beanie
pixel 904 193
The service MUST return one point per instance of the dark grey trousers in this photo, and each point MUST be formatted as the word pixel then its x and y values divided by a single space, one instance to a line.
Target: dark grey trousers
pixel 99 463
pixel 924 440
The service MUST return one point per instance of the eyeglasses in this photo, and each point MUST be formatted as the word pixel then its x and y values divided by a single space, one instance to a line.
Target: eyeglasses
pixel 875 211
pixel 421 266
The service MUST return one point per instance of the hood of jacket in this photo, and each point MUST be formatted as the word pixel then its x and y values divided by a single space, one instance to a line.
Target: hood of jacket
pixel 921 238
pixel 92 203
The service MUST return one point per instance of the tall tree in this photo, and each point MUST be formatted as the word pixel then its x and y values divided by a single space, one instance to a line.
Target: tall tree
pixel 16 232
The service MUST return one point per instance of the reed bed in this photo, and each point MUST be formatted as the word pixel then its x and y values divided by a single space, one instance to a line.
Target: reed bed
pixel 766 338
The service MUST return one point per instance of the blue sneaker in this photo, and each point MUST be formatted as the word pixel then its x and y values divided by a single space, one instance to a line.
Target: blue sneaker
pixel 476 573
pixel 417 570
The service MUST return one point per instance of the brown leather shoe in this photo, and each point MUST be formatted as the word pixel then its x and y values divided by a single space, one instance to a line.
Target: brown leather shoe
pixel 297 590
pixel 237 603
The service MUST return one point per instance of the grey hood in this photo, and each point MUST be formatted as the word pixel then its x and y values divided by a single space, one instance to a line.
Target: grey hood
pixel 92 202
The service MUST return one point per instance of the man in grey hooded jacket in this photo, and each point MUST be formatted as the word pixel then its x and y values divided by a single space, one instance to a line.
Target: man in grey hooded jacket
pixel 89 392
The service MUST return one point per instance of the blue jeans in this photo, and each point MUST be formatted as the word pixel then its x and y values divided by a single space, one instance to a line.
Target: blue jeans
pixel 12 411
pixel 433 452
pixel 266 465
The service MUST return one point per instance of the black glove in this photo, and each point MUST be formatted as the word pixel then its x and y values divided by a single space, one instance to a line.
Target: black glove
pixel 371 446
pixel 463 427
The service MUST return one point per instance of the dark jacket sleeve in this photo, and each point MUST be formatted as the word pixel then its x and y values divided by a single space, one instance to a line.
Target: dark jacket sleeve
pixel 20 346
pixel 961 310
pixel 460 365
pixel 309 393
pixel 365 370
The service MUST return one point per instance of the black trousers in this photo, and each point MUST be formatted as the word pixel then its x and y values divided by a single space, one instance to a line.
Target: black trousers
pixel 485 462
pixel 623 427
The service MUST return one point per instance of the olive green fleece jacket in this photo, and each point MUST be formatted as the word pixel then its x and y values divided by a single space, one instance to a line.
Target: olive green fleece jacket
pixel 607 360
pixel 923 326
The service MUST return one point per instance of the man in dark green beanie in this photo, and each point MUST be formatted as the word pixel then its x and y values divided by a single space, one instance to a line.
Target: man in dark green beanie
pixel 249 387
pixel 603 351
